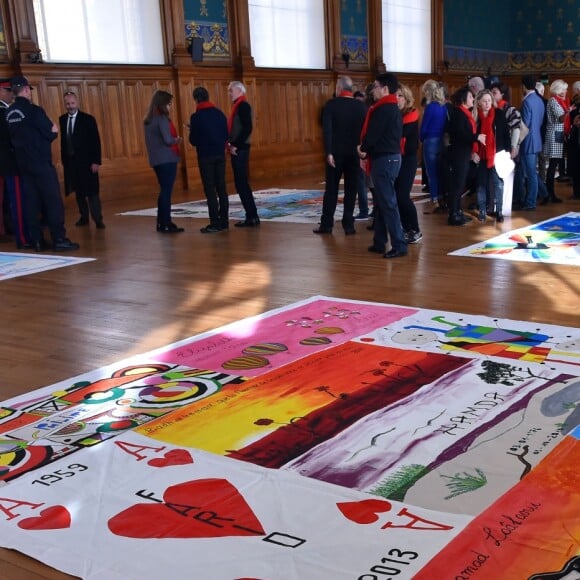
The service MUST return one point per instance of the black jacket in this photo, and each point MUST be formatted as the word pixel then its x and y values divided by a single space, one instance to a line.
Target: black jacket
pixel 384 131
pixel 31 134
pixel 86 150
pixel 342 121
pixel 501 130
pixel 7 159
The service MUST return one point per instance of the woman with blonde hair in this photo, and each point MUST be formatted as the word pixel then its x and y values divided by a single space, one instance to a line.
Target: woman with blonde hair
pixel 406 177
pixel 431 135
pixel 162 144
pixel 557 128
pixel 492 123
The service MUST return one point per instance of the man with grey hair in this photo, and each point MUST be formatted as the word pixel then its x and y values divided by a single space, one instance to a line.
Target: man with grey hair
pixel 239 130
pixel 476 85
pixel 575 100
pixel 342 121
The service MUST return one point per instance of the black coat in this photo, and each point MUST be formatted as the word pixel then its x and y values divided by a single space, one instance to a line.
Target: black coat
pixel 7 159
pixel 86 150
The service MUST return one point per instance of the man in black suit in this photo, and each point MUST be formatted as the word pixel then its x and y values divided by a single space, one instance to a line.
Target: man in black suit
pixel 80 152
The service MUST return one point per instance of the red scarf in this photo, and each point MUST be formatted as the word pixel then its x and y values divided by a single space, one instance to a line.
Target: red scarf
pixel 389 99
pixel 345 94
pixel 487 152
pixel 173 131
pixel 471 120
pixel 235 106
pixel 410 117
pixel 204 105
pixel 566 107
pixel 502 104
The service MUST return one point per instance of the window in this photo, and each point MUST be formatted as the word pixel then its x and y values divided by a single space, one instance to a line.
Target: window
pixel 100 31
pixel 407 35
pixel 288 33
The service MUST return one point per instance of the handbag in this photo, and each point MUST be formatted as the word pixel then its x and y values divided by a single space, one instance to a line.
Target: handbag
pixel 524 130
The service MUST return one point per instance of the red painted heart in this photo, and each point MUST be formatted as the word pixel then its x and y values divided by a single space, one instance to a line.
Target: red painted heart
pixel 53 518
pixel 365 511
pixel 173 457
pixel 204 508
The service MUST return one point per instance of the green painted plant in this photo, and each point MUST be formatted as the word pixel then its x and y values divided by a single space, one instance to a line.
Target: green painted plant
pixel 465 482
pixel 396 486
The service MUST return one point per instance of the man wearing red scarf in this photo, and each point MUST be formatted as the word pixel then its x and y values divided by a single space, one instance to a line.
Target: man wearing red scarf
pixel 240 129
pixel 208 133
pixel 381 144
pixel 342 121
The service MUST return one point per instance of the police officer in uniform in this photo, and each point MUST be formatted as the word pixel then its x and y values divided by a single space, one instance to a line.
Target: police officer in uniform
pixel 31 133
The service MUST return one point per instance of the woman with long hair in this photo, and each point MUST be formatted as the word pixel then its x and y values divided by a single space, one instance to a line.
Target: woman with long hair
pixel 431 134
pixel 162 144
pixel 463 146
pixel 406 177
pixel 491 122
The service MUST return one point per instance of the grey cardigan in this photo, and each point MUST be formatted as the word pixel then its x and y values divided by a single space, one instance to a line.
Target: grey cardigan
pixel 159 141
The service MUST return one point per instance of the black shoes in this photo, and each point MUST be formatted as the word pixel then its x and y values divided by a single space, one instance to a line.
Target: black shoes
pixel 64 245
pixel 212 229
pixel 82 222
pixel 349 231
pixel 499 217
pixel 395 254
pixel 375 250
pixel 170 229
pixel 248 223
pixel 321 230
pixel 39 246
pixel 459 220
pixel 100 225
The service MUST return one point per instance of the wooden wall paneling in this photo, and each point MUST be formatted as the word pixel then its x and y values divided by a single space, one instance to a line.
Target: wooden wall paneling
pixel 22 30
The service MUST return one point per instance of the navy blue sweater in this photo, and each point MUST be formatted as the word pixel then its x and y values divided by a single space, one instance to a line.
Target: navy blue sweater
pixel 208 132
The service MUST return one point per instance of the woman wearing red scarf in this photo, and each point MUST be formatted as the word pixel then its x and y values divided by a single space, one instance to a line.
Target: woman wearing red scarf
pixel 406 177
pixel 557 128
pixel 463 144
pixel 163 151
pixel 491 122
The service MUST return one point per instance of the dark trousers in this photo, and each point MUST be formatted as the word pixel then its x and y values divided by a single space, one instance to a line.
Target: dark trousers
pixel 550 175
pixel 240 167
pixel 459 162
pixel 403 187
pixel 362 195
pixel 349 166
pixel 166 174
pixel 213 176
pixel 79 178
pixel 43 197
pixel 16 203
pixel 89 204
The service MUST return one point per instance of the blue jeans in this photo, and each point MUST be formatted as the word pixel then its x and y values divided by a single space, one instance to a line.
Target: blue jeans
pixel 166 174
pixel 488 181
pixel 431 158
pixel 384 171
pixel 240 164
pixel 529 163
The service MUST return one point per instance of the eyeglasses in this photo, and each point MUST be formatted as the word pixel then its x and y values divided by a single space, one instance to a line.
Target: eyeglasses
pixel 69 93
